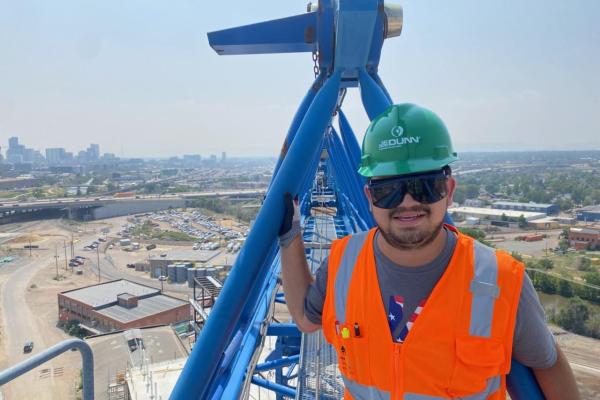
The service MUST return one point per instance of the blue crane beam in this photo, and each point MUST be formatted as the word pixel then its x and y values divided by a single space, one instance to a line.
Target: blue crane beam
pixel 348 36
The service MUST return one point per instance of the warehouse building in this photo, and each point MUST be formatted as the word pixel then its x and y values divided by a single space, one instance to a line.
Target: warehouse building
pixel 119 305
pixel 547 209
pixel 588 214
pixel 493 214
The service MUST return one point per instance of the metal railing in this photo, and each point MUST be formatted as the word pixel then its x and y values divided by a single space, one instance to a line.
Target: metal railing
pixel 86 355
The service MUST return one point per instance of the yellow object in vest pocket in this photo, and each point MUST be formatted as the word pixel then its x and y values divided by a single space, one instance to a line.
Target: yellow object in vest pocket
pixel 345 333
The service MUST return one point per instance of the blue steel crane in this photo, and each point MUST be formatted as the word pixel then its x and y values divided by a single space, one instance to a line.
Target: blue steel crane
pixel 346 39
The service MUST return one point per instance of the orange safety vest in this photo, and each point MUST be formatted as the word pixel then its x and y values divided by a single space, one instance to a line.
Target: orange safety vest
pixel 460 345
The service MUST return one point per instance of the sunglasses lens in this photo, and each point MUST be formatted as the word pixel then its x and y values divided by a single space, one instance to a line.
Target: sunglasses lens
pixel 426 190
pixel 388 195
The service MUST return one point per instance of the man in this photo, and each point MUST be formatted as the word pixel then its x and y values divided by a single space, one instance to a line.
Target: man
pixel 414 308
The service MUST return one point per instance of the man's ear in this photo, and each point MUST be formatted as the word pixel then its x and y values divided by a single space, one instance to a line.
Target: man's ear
pixel 450 187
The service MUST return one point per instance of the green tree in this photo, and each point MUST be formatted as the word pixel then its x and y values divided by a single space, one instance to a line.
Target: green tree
pixel 517 256
pixel 504 217
pixel 583 264
pixel 476 234
pixel 592 278
pixel 38 193
pixel 522 222
pixel 546 263
pixel 592 326
pixel 565 288
pixel 547 283
pixel 563 244
pixel 573 316
pixel 459 195
pixel 471 191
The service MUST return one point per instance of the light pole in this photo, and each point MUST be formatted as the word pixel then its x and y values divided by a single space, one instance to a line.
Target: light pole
pixel 98 259
pixel 65 247
pixel 56 260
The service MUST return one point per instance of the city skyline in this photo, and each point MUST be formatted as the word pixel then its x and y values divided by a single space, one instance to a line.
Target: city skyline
pixel 141 80
pixel 17 153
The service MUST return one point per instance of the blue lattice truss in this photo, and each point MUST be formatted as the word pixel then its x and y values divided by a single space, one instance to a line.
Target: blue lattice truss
pixel 348 36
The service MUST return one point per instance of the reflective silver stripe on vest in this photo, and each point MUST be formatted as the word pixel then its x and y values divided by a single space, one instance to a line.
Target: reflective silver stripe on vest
pixel 344 273
pixel 493 384
pixel 484 289
pixel 363 392
pixel 416 396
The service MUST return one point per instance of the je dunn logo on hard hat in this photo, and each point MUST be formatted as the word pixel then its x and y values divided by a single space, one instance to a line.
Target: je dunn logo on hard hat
pixel 397 141
pixel 397 131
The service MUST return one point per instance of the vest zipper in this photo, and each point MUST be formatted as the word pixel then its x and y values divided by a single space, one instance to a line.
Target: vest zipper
pixel 397 372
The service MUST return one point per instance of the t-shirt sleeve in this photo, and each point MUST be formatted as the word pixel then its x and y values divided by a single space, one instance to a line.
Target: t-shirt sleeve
pixel 315 296
pixel 533 343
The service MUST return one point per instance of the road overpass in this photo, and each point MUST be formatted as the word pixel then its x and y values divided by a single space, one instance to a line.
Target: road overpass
pixel 88 208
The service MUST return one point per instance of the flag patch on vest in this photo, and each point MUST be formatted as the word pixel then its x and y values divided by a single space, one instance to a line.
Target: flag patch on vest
pixel 396 315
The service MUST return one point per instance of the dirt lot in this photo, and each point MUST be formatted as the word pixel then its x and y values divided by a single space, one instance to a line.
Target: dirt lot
pixel 29 311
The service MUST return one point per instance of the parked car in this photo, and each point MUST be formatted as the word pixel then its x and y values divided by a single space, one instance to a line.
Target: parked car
pixel 28 347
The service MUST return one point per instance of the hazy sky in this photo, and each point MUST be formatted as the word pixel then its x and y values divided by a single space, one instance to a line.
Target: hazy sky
pixel 139 78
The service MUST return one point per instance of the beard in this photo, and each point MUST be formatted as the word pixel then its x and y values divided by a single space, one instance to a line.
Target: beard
pixel 411 238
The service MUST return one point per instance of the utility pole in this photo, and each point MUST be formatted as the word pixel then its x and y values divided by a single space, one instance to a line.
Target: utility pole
pixel 65 246
pixel 72 248
pixel 56 260
pixel 98 259
pixel 29 247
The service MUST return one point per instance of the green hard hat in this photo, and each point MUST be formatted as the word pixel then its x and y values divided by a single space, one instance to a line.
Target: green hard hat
pixel 405 139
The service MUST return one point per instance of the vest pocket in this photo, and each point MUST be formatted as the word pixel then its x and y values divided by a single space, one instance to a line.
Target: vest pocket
pixel 477 360
pixel 353 358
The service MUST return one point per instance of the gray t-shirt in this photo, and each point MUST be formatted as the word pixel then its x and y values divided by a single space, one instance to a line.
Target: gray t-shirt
pixel 404 290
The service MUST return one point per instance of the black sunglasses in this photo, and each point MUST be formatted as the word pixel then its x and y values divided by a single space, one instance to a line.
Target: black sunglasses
pixel 424 188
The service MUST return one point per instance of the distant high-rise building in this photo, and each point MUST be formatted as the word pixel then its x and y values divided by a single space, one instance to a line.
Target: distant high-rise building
pixel 93 152
pixel 13 142
pixel 213 158
pixel 15 152
pixel 192 158
pixel 55 155
pixel 223 157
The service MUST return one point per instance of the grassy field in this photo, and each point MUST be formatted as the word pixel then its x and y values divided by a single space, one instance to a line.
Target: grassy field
pixel 568 265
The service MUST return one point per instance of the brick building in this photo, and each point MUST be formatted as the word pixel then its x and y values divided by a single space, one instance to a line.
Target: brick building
pixel 119 305
pixel 584 238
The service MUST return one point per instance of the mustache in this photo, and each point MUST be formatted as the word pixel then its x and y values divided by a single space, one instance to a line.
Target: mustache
pixel 418 208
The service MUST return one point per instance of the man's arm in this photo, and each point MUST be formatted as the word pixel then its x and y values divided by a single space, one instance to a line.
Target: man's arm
pixel 296 279
pixel 295 273
pixel 558 382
